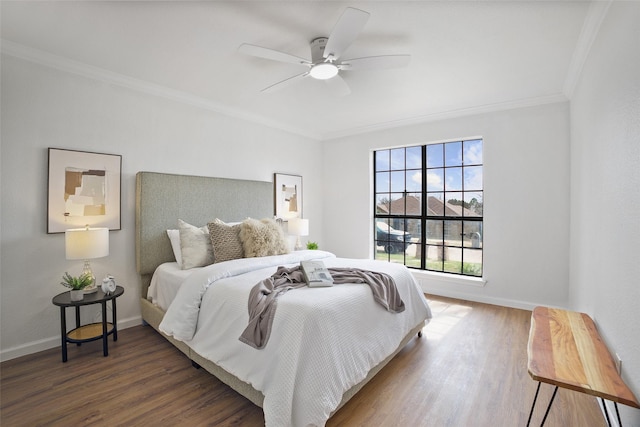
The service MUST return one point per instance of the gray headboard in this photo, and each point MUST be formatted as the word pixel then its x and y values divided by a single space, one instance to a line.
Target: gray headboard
pixel 162 199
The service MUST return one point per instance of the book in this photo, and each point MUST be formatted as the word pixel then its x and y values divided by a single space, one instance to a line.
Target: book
pixel 316 274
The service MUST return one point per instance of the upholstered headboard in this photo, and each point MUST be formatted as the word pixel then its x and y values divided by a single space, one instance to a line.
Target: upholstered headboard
pixel 162 199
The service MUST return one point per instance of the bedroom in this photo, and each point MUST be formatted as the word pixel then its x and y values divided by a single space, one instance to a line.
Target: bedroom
pixel 571 144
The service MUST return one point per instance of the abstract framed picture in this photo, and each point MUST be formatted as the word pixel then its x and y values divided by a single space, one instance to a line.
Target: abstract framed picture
pixel 288 196
pixel 83 189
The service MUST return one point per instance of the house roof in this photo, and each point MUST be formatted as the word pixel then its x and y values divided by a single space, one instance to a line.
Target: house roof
pixel 435 207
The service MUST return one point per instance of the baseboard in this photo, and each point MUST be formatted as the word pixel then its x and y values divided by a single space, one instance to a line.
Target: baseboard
pixel 48 343
pixel 523 305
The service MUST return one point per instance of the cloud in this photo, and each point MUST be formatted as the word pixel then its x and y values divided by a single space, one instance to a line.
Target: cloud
pixel 473 154
pixel 434 181
pixel 473 178
pixel 417 177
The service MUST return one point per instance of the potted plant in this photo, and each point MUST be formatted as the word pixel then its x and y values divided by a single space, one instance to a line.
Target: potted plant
pixel 77 284
pixel 312 245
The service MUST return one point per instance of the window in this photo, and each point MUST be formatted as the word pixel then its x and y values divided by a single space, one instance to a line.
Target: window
pixel 428 206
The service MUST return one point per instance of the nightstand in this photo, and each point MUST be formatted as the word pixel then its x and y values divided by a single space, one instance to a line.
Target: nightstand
pixel 92 331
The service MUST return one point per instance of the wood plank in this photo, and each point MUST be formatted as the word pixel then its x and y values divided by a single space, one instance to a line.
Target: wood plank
pixel 565 349
pixel 469 369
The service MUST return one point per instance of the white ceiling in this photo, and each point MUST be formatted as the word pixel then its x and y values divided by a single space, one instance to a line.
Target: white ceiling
pixel 466 55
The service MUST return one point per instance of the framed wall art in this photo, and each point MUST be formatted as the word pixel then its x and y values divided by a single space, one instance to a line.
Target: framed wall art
pixel 83 189
pixel 288 196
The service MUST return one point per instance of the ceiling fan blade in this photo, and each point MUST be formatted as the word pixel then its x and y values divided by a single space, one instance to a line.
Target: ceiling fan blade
pixel 274 55
pixel 338 86
pixel 345 32
pixel 284 83
pixel 375 62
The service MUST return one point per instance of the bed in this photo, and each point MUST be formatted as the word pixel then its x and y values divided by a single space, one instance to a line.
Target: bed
pixel 294 382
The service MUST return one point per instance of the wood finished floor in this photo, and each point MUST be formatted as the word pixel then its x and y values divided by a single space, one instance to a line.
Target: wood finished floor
pixel 469 369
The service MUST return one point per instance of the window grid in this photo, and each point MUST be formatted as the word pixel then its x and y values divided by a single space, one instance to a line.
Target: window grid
pixel 441 217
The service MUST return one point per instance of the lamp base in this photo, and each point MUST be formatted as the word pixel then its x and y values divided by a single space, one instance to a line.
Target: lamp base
pixel 87 271
pixel 90 289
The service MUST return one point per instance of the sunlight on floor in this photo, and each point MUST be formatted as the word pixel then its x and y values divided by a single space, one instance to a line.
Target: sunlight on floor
pixel 445 317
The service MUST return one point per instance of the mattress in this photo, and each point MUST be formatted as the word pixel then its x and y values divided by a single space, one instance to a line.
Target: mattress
pixel 165 283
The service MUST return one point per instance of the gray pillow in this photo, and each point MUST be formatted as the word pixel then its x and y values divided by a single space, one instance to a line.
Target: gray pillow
pixel 262 238
pixel 225 239
pixel 195 246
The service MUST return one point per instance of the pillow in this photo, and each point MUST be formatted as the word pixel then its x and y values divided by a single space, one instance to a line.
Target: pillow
pixel 262 238
pixel 195 246
pixel 225 239
pixel 174 238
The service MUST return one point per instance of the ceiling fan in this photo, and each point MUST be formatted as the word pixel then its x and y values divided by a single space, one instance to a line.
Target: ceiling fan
pixel 325 63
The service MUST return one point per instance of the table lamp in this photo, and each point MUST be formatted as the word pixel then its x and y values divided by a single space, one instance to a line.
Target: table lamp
pixel 298 227
pixel 87 243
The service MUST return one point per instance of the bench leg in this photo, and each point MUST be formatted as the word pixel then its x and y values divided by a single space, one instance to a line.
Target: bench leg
pixel 534 404
pixel 549 407
pixel 615 404
pixel 606 413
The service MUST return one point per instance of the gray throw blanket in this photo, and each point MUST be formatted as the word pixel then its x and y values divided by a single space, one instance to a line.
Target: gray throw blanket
pixel 263 297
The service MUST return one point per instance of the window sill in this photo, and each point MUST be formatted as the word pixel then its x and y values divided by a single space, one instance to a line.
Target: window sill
pixel 451 278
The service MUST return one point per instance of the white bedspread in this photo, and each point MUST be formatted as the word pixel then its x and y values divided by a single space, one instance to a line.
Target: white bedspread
pixel 165 282
pixel 323 340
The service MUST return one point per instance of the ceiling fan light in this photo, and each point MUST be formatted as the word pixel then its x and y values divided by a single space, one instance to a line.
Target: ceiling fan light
pixel 323 71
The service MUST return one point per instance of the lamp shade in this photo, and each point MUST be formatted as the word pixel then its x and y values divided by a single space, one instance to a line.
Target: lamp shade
pixel 86 243
pixel 299 227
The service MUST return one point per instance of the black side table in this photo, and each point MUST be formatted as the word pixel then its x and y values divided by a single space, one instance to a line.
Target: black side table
pixel 92 331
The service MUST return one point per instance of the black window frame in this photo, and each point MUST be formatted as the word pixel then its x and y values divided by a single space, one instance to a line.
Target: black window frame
pixel 467 216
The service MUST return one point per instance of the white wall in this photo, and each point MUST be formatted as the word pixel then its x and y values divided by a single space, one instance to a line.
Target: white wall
pixel 43 107
pixel 570 180
pixel 540 217
pixel 526 182
pixel 605 183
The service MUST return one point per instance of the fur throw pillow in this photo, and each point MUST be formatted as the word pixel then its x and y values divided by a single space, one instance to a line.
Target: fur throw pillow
pixel 262 238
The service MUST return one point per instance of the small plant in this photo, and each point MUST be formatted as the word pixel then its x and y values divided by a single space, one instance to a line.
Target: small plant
pixel 312 245
pixel 76 283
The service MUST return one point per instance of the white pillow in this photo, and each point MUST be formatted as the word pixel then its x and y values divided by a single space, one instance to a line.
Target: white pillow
pixel 174 238
pixel 195 245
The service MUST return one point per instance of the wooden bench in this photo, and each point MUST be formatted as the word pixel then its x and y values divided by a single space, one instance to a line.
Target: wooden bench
pixel 565 350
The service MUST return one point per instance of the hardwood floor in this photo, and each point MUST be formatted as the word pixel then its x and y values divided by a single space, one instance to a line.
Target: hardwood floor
pixel 469 369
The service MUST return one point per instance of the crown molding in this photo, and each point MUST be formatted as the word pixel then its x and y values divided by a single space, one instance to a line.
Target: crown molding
pixel 67 65
pixel 590 28
pixel 75 67
pixel 452 114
